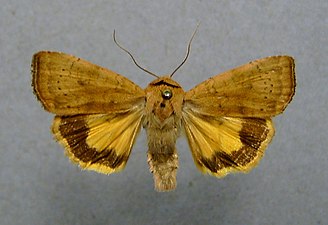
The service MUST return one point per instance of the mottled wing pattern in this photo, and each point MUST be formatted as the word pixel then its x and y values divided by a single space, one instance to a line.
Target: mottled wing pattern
pixel 99 142
pixel 227 118
pixel 67 85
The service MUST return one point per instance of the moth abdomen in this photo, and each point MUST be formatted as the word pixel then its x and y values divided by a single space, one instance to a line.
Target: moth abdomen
pixel 162 157
pixel 164 169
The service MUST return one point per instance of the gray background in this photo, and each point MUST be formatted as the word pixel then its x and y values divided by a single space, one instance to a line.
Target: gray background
pixel 38 184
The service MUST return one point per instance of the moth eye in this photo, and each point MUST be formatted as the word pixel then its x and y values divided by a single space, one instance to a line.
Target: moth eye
pixel 167 94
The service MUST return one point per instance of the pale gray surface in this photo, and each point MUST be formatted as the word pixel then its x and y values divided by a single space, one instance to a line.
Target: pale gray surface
pixel 38 184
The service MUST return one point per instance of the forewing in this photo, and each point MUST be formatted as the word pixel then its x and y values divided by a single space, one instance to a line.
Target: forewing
pixel 99 142
pixel 262 88
pixel 221 145
pixel 67 85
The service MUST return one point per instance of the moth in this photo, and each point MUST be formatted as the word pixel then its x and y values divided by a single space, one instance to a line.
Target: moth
pixel 227 118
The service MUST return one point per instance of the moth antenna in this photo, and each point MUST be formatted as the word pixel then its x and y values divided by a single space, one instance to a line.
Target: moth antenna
pixel 135 62
pixel 188 51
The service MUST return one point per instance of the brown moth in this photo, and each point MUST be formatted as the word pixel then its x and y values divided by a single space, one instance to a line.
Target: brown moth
pixel 99 113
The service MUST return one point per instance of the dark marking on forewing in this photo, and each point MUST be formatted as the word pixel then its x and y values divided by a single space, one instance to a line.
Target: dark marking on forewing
pixel 35 77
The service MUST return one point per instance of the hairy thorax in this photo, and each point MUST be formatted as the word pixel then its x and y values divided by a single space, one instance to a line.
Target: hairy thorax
pixel 162 121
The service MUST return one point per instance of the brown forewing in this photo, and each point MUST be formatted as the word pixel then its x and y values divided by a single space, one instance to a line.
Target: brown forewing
pixel 261 88
pixel 67 85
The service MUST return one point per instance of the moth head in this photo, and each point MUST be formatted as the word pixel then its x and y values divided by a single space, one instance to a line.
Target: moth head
pixel 164 87
pixel 164 98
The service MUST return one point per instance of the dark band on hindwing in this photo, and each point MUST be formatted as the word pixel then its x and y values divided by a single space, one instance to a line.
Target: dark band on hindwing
pixel 75 131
